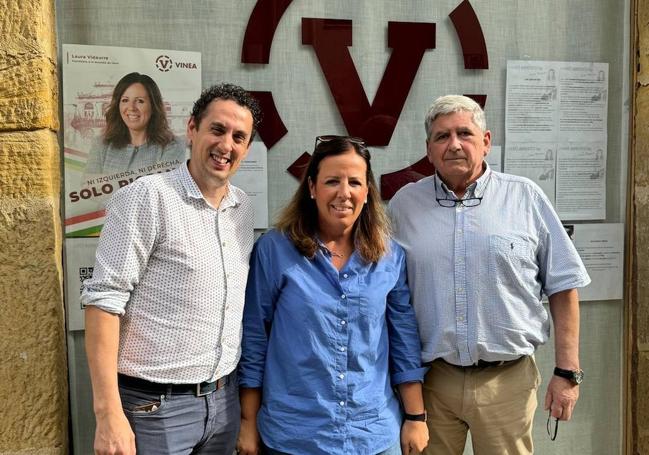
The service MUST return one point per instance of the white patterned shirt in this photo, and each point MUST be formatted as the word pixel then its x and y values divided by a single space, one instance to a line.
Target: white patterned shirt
pixel 175 269
pixel 477 274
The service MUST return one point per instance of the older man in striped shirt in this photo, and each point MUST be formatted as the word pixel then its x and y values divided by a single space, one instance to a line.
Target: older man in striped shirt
pixel 482 249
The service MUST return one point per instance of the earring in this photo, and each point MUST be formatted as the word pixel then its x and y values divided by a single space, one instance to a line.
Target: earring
pixel 366 201
pixel 312 197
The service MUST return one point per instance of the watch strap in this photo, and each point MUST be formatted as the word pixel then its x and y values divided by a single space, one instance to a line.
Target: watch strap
pixel 416 417
pixel 574 376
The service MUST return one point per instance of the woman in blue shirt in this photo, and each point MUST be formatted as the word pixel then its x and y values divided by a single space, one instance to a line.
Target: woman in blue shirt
pixel 328 326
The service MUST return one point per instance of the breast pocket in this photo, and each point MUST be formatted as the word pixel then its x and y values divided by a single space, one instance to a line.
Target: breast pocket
pixel 375 289
pixel 512 259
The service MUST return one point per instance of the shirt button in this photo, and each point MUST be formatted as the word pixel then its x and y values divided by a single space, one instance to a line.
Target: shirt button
pixel 345 275
pixel 343 322
pixel 460 290
pixel 223 244
pixel 342 349
pixel 342 403
pixel 460 318
pixel 343 296
pixel 341 376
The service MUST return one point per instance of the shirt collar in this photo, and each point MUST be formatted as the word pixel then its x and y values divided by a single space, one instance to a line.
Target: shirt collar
pixel 480 185
pixel 476 189
pixel 189 184
pixel 322 247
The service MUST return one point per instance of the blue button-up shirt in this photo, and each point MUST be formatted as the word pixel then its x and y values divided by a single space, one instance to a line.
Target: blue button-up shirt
pixel 327 346
pixel 477 274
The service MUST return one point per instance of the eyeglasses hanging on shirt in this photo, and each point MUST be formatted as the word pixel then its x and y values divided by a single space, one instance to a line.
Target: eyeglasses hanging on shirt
pixel 454 202
pixel 548 426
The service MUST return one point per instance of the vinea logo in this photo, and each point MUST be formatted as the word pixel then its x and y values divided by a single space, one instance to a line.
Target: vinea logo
pixel 163 63
pixel 186 65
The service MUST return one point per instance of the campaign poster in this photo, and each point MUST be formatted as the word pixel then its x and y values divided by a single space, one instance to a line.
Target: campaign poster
pixel 125 113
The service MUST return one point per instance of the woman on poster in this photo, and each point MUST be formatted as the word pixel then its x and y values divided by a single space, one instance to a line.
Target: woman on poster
pixel 137 134
pixel 328 328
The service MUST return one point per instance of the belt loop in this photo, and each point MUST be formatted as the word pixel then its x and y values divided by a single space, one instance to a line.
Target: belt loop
pixel 169 389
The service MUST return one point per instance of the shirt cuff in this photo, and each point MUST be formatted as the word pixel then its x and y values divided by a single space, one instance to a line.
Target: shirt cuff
pixel 250 383
pixel 416 375
pixel 108 306
pixel 580 283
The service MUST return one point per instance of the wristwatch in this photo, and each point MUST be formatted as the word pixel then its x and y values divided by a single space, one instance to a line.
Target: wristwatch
pixel 416 417
pixel 574 376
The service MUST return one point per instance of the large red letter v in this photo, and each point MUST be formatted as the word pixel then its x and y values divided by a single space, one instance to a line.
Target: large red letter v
pixel 408 41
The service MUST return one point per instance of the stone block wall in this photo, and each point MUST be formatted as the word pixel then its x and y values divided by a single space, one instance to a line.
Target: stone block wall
pixel 639 310
pixel 33 367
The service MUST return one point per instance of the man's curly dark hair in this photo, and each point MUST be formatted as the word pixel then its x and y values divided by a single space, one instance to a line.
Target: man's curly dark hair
pixel 227 92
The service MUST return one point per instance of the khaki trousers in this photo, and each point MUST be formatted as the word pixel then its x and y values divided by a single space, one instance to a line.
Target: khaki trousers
pixel 495 403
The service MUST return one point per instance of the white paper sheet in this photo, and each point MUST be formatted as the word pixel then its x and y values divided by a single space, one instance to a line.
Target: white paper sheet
pixel 494 158
pixel 556 115
pixel 601 247
pixel 252 177
pixel 581 181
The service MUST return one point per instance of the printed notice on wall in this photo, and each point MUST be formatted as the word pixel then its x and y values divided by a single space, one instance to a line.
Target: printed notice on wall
pixel 494 158
pixel 601 248
pixel 79 265
pixel 125 113
pixel 252 177
pixel 555 122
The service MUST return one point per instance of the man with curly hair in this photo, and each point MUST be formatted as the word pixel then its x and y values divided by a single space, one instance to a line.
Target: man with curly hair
pixel 164 306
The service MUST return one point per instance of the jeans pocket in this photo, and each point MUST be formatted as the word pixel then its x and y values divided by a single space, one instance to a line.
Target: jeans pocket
pixel 138 402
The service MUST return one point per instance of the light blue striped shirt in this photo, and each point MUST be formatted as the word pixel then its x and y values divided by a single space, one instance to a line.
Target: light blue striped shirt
pixel 477 274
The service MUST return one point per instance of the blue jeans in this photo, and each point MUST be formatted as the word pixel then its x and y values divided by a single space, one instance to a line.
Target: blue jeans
pixel 394 450
pixel 184 423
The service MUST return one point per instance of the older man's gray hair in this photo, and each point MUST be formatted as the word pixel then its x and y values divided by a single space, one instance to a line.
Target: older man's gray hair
pixel 450 104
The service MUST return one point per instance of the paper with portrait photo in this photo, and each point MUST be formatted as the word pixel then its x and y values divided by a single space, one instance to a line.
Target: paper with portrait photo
pixel 536 161
pixel 90 74
pixel 552 109
pixel 581 181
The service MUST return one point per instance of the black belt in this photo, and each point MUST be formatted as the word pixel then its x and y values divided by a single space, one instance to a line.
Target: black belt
pixel 204 388
pixel 480 363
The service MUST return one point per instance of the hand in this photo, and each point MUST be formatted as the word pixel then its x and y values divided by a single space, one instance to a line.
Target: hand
pixel 561 398
pixel 113 435
pixel 414 437
pixel 248 442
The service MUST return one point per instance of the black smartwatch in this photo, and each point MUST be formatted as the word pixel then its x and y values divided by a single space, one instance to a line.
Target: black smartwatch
pixel 416 417
pixel 574 376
